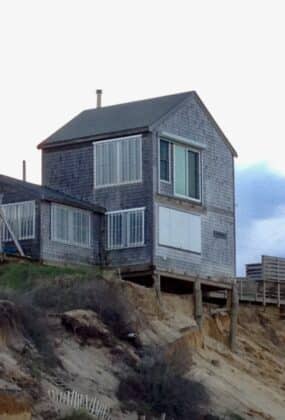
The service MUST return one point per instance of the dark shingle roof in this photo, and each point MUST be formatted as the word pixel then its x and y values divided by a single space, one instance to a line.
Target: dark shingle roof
pixel 38 192
pixel 136 115
pixel 122 119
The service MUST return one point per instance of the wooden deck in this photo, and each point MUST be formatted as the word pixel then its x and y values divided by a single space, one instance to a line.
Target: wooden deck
pixel 269 285
pixel 265 291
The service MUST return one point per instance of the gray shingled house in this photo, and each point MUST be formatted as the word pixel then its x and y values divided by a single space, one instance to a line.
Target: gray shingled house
pixel 164 173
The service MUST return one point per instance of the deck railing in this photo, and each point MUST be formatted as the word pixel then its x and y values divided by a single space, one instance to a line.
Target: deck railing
pixel 263 291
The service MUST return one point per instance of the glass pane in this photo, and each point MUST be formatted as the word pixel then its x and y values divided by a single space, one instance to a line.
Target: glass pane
pixel 116 240
pixel 164 160
pixel 180 170
pixel 106 163
pixel 193 174
pixel 61 224
pixel 130 160
pixel 135 227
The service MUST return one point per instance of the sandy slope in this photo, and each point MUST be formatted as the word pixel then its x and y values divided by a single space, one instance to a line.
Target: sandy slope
pixel 250 383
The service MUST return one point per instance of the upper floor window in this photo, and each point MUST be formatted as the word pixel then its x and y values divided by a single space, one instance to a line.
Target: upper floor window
pixel 187 174
pixel 118 161
pixel 21 219
pixel 164 160
pixel 70 225
pixel 125 228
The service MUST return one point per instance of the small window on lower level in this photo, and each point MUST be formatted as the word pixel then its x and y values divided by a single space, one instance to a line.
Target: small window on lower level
pixel 70 225
pixel 20 218
pixel 125 228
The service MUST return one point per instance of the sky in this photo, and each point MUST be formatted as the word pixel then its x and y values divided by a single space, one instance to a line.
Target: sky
pixel 55 54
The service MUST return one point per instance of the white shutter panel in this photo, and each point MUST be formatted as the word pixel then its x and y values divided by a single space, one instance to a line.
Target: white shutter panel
pixel 179 229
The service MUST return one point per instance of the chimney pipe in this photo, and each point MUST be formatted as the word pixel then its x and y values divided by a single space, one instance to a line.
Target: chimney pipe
pixel 99 97
pixel 24 171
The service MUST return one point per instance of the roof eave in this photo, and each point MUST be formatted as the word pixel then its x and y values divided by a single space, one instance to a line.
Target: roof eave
pixel 83 206
pixel 45 145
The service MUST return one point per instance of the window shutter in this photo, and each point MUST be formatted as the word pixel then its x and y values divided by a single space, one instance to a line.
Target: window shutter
pixel 179 229
pixel 118 161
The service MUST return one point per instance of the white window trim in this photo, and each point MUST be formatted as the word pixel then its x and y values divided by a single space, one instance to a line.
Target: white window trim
pixel 186 197
pixel 181 139
pixel 28 237
pixel 119 247
pixel 169 162
pixel 137 181
pixel 71 242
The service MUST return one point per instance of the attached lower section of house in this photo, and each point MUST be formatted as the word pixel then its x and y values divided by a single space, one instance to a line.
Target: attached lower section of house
pixel 50 226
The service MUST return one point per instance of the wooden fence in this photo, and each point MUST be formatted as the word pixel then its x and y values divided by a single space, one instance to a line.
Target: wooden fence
pixel 77 401
pixel 93 406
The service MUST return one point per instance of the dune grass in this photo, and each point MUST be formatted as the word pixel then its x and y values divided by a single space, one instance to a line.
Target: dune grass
pixel 22 276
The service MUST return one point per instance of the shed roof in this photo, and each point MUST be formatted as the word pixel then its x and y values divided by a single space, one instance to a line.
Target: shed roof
pixel 38 192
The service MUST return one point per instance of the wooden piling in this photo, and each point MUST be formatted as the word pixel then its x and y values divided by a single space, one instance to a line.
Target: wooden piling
pixel 157 285
pixel 234 317
pixel 198 302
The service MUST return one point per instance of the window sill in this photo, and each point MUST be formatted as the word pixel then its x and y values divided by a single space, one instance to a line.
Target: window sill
pixel 180 249
pixel 89 247
pixel 122 184
pixel 125 247
pixel 7 241
pixel 188 204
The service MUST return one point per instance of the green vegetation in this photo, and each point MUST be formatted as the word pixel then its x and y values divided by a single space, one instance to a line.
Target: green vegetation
pixel 78 415
pixel 159 386
pixel 24 276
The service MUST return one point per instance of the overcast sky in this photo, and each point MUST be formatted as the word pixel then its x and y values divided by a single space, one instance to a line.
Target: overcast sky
pixel 54 54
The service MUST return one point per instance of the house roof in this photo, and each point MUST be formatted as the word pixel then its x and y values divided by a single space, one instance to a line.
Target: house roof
pixel 38 192
pixel 136 115
pixel 131 118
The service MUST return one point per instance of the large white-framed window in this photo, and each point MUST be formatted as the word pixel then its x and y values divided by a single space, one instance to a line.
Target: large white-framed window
pixel 22 219
pixel 125 228
pixel 187 172
pixel 70 225
pixel 118 161
pixel 179 229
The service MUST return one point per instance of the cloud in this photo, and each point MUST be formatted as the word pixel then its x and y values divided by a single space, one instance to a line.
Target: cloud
pixel 260 197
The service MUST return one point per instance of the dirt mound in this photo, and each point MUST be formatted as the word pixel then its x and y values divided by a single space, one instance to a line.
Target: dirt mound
pixel 13 405
pixel 10 325
pixel 85 324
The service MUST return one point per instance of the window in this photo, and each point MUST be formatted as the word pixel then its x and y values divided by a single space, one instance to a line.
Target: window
pixel 70 226
pixel 164 160
pixel 125 228
pixel 187 172
pixel 179 229
pixel 21 218
pixel 118 161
